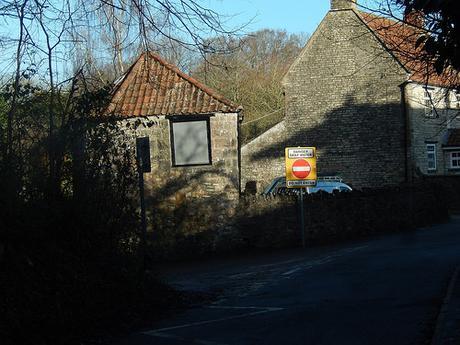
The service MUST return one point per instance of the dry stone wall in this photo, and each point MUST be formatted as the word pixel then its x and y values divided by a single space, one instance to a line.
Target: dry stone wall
pixel 273 222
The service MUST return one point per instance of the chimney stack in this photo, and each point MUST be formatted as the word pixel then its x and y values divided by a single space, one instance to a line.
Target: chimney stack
pixel 343 4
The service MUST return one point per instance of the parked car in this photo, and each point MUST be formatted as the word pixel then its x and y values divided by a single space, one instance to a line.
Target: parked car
pixel 328 184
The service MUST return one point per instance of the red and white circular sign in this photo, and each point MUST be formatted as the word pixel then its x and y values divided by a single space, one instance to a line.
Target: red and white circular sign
pixel 301 168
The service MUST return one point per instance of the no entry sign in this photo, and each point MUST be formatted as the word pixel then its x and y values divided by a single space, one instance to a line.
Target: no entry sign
pixel 300 167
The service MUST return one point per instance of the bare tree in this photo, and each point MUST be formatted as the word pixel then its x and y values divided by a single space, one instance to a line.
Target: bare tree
pixel 19 8
pixel 251 75
pixel 103 33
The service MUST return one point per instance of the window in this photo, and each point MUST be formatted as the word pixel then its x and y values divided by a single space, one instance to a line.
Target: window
pixel 428 103
pixel 431 156
pixel 455 160
pixel 190 142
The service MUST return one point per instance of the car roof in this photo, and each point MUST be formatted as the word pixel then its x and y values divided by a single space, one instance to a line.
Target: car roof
pixel 280 182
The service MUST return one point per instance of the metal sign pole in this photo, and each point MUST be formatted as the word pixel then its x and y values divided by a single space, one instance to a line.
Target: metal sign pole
pixel 300 164
pixel 143 219
pixel 143 165
pixel 302 218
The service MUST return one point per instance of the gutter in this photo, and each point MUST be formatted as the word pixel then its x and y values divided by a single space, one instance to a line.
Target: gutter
pixel 407 137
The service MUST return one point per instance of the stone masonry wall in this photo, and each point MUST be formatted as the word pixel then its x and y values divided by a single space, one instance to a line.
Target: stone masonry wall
pixel 262 159
pixel 183 201
pixel 273 222
pixel 343 96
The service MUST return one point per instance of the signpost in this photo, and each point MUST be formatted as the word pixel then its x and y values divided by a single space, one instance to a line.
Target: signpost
pixel 143 166
pixel 301 173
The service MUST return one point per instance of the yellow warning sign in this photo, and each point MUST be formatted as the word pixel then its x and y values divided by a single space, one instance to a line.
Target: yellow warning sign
pixel 300 167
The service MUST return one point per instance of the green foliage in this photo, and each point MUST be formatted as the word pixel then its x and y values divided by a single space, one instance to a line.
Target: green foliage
pixel 442 20
pixel 70 260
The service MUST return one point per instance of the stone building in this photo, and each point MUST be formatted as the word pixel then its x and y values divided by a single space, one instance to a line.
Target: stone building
pixel 359 94
pixel 194 144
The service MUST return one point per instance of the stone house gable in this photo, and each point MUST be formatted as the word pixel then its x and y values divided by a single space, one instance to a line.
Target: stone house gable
pixel 343 96
pixel 371 23
pixel 354 93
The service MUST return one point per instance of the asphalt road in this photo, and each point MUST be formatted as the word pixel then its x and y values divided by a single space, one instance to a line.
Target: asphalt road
pixel 386 290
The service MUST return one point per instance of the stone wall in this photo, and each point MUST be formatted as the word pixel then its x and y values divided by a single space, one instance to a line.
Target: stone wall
pixel 343 96
pixel 273 222
pixel 448 186
pixel 262 159
pixel 183 201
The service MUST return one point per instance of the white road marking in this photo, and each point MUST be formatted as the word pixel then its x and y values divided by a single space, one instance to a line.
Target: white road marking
pixel 321 261
pixel 176 337
pixel 274 271
pixel 291 271
pixel 258 311
pixel 299 264
pixel 238 308
pixel 278 263
pixel 241 275
pixel 256 268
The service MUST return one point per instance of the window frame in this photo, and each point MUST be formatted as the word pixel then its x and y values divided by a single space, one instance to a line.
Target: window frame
pixel 435 160
pixel 185 118
pixel 451 160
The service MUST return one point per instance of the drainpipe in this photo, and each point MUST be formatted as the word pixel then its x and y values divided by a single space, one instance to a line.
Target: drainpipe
pixel 407 135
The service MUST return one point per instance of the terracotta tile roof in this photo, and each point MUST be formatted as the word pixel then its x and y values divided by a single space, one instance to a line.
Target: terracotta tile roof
pixel 453 138
pixel 400 39
pixel 153 86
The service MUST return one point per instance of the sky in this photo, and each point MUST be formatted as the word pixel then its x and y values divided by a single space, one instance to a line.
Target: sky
pixel 294 16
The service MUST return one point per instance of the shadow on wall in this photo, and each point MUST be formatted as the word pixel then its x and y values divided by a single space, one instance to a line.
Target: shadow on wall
pixel 273 222
pixel 262 223
pixel 188 212
pixel 363 143
pixel 190 224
